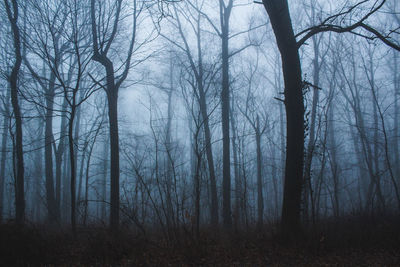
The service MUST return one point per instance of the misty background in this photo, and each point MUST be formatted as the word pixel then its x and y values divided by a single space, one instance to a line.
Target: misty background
pixel 168 66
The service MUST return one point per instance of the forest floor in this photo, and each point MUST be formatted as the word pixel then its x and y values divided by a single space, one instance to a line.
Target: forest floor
pixel 345 242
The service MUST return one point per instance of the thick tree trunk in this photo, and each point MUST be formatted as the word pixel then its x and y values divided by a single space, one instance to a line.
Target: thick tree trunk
pixel 278 12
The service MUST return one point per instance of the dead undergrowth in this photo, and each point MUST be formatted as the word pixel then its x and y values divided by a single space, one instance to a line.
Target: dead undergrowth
pixel 348 241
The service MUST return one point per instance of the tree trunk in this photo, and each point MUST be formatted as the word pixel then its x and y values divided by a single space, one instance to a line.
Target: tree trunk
pixel 225 95
pixel 112 95
pixel 209 153
pixel 66 202
pixel 169 176
pixel 52 215
pixel 73 171
pixel 396 84
pixel 38 176
pixel 4 151
pixel 59 157
pixel 86 202
pixel 81 168
pixel 238 191
pixel 106 150
pixel 13 79
pixel 278 12
pixel 311 142
pixel 260 199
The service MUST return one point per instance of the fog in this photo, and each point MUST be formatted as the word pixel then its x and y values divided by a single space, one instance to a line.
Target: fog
pixel 168 115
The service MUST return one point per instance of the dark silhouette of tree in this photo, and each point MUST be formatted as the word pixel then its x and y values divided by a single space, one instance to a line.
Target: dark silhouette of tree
pixel 102 42
pixel 12 14
pixel 278 12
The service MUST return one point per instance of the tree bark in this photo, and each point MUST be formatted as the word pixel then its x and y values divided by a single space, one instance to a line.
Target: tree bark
pixel 112 95
pixel 106 163
pixel 13 80
pixel 4 151
pixel 238 190
pixel 311 142
pixel 225 12
pixel 278 12
pixel 59 157
pixel 260 199
pixel 73 171
pixel 396 85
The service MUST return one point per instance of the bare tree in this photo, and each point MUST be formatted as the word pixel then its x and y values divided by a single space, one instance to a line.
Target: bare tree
pixel 252 113
pixel 103 39
pixel 201 85
pixel 278 12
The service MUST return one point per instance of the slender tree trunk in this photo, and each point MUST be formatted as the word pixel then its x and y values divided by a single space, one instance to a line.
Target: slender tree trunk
pixel 311 141
pixel 197 190
pixel 333 159
pixel 170 211
pixel 13 80
pixel 4 151
pixel 396 122
pixel 48 150
pixel 38 176
pixel 225 95
pixel 106 150
pixel 209 154
pixel 238 191
pixel 66 202
pixel 73 171
pixel 85 213
pixel 112 94
pixel 207 132
pixel 81 168
pixel 381 207
pixel 260 199
pixel 59 157
pixel 275 183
